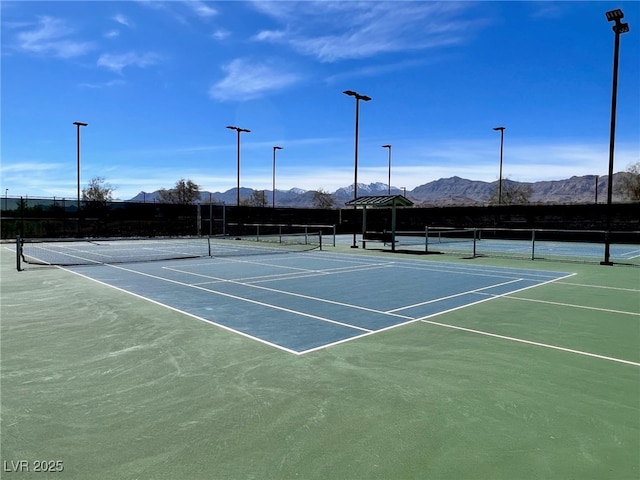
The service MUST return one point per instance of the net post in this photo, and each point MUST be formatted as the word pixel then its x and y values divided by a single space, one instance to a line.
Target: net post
pixel 533 243
pixel 426 239
pixel 334 234
pixel 209 245
pixel 18 253
pixel 475 232
pixel 320 239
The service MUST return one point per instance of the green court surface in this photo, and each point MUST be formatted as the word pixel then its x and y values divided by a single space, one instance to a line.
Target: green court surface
pixel 541 383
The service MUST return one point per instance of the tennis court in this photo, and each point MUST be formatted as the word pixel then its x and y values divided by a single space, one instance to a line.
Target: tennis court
pixel 338 363
pixel 302 302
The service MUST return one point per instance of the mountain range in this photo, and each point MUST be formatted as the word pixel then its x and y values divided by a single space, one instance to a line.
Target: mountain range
pixel 442 192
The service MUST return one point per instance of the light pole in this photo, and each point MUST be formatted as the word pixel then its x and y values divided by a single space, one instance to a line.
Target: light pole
pixel 78 125
pixel 618 28
pixel 238 129
pixel 274 174
pixel 389 185
pixel 500 177
pixel 358 97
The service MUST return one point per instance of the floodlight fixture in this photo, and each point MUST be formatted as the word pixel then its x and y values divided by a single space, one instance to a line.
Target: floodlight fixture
pixel 238 130
pixel 622 28
pixel 614 15
pixel 357 95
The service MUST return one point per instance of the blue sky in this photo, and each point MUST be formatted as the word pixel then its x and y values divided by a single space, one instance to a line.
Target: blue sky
pixel 158 82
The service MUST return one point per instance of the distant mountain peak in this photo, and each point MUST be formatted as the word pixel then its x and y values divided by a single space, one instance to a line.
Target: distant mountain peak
pixel 444 191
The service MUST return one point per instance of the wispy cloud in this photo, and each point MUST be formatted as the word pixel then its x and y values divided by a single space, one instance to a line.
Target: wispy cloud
pixel 201 9
pixel 246 80
pixel 373 70
pixel 118 62
pixel 51 36
pixel 220 34
pixel 122 20
pixel 546 10
pixel 111 83
pixel 333 31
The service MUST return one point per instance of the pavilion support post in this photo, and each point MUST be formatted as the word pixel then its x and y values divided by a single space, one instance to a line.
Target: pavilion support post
pixel 393 226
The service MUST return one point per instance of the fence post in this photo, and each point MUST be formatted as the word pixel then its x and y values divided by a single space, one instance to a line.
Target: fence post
pixel 533 244
pixel 18 253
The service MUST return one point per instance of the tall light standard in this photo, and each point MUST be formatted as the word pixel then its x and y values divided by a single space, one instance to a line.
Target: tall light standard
pixel 274 175
pixel 500 177
pixel 78 125
pixel 389 185
pixel 358 97
pixel 618 28
pixel 238 129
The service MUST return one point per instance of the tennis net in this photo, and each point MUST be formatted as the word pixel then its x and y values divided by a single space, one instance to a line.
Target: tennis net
pixel 69 252
pixel 434 240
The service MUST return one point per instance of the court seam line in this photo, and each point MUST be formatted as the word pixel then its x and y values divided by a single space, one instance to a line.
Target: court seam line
pixel 531 342
pixel 248 300
pixel 600 286
pixel 584 307
pixel 191 315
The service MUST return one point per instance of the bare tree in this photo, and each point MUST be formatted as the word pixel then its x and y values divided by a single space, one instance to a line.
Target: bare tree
pixel 98 191
pixel 628 183
pixel 513 193
pixel 185 192
pixel 258 199
pixel 322 199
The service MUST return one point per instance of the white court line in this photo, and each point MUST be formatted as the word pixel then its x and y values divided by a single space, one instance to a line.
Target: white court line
pixel 299 295
pixel 236 297
pixel 366 332
pixel 477 290
pixel 480 270
pixel 600 286
pixel 529 342
pixel 531 275
pixel 583 307
pixel 211 322
pixel 334 271
pixel 303 273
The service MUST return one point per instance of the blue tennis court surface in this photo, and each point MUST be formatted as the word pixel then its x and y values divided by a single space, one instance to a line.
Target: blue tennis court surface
pixel 301 302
